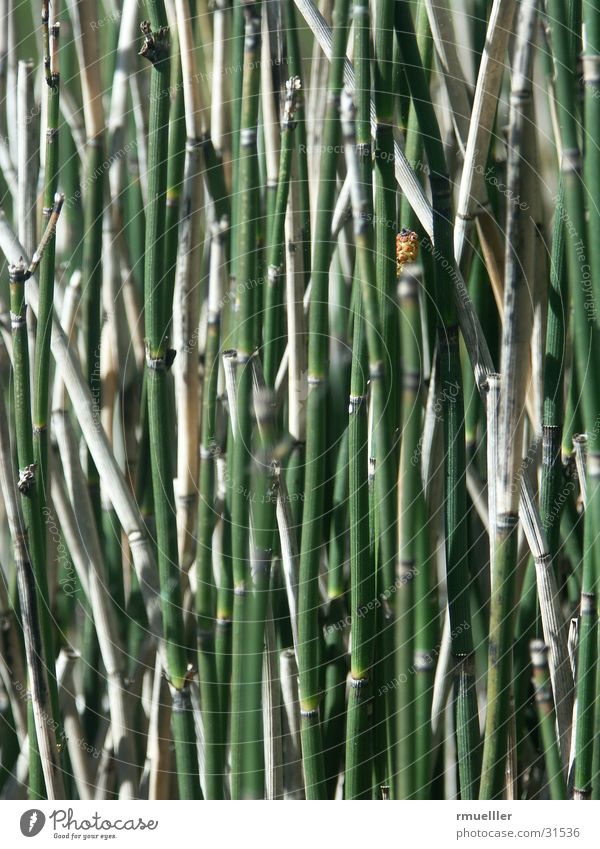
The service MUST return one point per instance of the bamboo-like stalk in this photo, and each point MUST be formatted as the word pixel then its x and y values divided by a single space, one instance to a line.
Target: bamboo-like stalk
pixel 270 114
pixel 175 165
pixel 357 782
pixel 28 158
pixel 79 749
pixel 492 405
pixel 186 310
pixel 585 335
pixel 263 516
pixel 29 489
pixel 414 530
pixel 315 115
pixel 591 175
pixel 489 81
pixel 516 331
pixel 112 353
pixel 310 551
pixel 451 392
pixel 383 176
pixel 271 351
pixel 294 59
pixel 363 576
pixel 33 607
pixel 287 535
pixel 41 379
pixel 104 613
pixel 553 625
pixel 580 450
pixel 158 752
pixel 12 662
pixel 272 716
pixel 554 368
pixel 87 43
pixel 291 709
pixel 88 50
pixel 9 171
pixel 334 705
pixel 384 500
pixel 545 709
pixel 413 149
pixel 158 359
pixel 458 576
pixel 246 270
pixel 445 41
pixel 120 327
pixel 215 722
pixel 296 350
pixel 218 116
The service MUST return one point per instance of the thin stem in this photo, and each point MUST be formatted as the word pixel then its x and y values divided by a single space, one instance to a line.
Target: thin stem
pixel 156 49
pixel 310 551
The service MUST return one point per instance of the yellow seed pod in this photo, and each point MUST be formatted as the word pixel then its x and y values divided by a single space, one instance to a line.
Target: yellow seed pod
pixel 407 248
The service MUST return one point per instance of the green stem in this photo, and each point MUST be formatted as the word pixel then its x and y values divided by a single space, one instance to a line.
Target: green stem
pixel 28 485
pixel 362 574
pixel 157 50
pixel 41 380
pixel 547 723
pixel 212 713
pixel 273 319
pixel 312 520
pixel 246 237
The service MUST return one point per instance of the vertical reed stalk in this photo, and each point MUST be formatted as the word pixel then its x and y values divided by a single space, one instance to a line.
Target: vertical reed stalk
pixel 186 308
pixel 310 552
pixel 213 712
pixel 88 52
pixel 156 49
pixel 519 263
pixel 28 485
pixel 273 318
pixel 591 175
pixel 585 335
pixel 451 389
pixel 263 510
pixel 294 58
pixel 246 271
pixel 362 575
pixel 41 379
pixel 545 710
pixel 385 484
pixel 40 672
pixel 417 605
pixel 385 186
pixel 103 608
pixel 28 158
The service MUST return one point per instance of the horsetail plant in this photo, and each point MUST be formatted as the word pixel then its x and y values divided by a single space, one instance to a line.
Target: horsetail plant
pixel 453 405
pixel 46 740
pixel 544 703
pixel 517 325
pixel 310 551
pixel 158 359
pixel 246 274
pixel 307 563
pixel 47 264
pixel 215 725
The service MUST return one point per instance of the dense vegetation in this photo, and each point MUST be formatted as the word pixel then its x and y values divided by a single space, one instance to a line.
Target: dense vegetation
pixel 299 399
